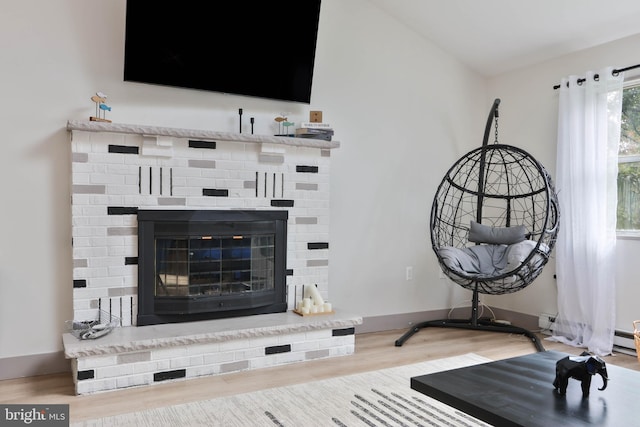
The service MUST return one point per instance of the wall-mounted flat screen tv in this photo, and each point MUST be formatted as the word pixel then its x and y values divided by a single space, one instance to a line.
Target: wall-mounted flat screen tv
pixel 263 49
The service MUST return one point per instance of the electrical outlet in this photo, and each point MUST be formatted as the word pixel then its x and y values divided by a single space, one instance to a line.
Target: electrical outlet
pixel 409 273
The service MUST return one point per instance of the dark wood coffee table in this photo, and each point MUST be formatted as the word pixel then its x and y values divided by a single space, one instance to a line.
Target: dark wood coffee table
pixel 519 392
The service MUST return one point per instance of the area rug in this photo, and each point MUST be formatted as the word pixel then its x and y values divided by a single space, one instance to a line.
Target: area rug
pixel 378 398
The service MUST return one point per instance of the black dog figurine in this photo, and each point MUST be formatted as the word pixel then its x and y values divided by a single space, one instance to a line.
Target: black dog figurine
pixel 581 368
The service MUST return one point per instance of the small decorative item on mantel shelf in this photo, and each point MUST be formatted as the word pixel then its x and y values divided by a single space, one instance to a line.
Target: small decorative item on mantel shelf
pixel 101 108
pixel 315 128
pixel 312 303
pixel 283 122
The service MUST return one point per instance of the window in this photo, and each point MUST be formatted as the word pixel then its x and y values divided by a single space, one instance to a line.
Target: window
pixel 628 216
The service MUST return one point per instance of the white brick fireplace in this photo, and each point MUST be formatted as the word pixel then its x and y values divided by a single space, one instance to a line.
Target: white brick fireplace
pixel 118 169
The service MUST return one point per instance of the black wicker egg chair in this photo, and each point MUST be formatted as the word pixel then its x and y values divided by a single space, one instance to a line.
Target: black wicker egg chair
pixel 494 223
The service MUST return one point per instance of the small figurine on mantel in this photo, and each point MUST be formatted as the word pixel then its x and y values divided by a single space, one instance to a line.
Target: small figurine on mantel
pixel 287 125
pixel 279 120
pixel 101 108
pixel 283 121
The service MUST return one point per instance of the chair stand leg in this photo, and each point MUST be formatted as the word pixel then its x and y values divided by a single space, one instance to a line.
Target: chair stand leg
pixel 474 323
pixel 467 324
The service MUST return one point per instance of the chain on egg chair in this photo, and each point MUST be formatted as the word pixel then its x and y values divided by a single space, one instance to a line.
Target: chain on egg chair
pixel 494 223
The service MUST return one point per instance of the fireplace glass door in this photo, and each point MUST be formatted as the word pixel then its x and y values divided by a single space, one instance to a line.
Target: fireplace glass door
pixel 196 265
pixel 214 265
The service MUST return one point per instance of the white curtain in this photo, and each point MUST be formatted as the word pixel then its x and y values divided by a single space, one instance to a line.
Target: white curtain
pixel 586 182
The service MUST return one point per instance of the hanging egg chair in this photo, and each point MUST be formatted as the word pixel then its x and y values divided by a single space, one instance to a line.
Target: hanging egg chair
pixel 494 222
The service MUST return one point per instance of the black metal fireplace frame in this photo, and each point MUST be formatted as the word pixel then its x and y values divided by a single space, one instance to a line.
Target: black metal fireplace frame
pixel 152 223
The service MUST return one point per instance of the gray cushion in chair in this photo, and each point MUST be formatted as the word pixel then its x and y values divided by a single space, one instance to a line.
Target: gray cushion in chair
pixel 486 261
pixel 482 260
pixel 479 233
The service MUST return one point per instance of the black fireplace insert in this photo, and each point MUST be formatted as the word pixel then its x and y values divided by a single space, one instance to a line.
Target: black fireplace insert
pixel 210 264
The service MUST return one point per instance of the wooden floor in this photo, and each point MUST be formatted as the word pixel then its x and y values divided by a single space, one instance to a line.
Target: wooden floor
pixel 373 351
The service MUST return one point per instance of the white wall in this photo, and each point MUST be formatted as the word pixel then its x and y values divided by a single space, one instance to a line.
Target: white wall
pixel 528 119
pixel 403 110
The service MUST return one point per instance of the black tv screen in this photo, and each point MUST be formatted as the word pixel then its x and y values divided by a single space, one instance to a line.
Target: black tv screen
pixel 257 48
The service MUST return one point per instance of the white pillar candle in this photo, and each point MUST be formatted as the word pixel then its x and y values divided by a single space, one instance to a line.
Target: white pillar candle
pixel 315 295
pixel 327 307
pixel 314 309
pixel 306 302
pixel 305 310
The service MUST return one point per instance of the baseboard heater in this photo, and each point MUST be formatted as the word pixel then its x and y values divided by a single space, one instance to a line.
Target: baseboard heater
pixel 624 342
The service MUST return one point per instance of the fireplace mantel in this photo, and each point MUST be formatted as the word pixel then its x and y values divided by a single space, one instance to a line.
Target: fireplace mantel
pixel 133 129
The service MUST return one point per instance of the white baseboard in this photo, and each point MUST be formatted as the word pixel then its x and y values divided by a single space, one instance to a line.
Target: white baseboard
pixel 33 364
pixel 406 320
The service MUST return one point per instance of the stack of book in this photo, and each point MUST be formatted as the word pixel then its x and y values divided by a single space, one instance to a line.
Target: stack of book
pixel 314 130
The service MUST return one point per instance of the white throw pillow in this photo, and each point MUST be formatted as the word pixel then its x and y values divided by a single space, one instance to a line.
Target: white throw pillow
pixel 518 252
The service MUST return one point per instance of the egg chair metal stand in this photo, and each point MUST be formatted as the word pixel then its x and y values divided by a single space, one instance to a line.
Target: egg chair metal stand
pixel 500 188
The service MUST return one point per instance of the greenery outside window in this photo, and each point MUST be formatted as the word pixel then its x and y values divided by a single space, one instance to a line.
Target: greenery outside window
pixel 628 215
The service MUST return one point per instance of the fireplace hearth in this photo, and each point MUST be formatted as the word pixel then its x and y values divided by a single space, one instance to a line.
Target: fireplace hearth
pixel 210 264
